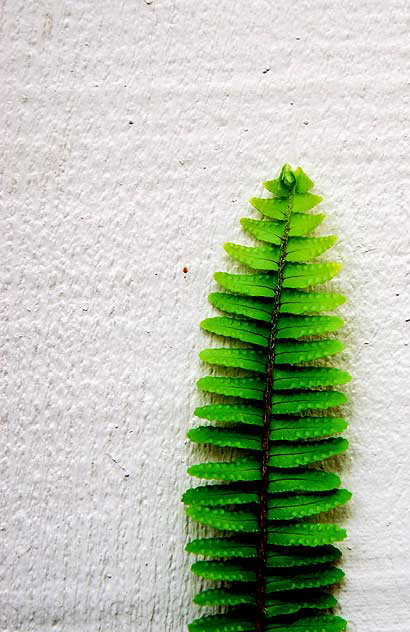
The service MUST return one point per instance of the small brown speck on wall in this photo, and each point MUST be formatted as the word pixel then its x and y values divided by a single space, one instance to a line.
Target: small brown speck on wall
pixel 184 269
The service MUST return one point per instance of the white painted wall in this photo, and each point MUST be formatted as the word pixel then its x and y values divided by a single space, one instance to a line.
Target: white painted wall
pixel 133 134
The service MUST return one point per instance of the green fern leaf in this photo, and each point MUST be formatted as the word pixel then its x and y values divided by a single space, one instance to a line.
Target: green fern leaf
pixel 239 329
pixel 303 275
pixel 295 275
pixel 294 302
pixel 272 232
pixel 318 600
pixel 247 359
pixel 241 306
pixel 224 571
pixel 306 400
pixel 276 207
pixel 307 377
pixel 302 505
pixel 303 302
pixel 253 388
pixel 222 547
pixel 305 534
pixel 322 623
pixel 267 257
pixel 304 579
pixel 242 469
pixel 277 556
pixel 297 351
pixel 225 437
pixel 299 326
pixel 302 556
pixel 293 428
pixel 242 413
pixel 223 519
pixel 245 388
pixel 219 495
pixel 233 597
pixel 223 597
pixel 303 480
pixel 251 360
pixel 222 623
pixel 294 454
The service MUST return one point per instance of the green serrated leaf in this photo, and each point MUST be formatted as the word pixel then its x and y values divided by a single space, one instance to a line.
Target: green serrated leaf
pixel 272 232
pixel 239 329
pixel 302 505
pixel 303 479
pixel 305 534
pixel 246 388
pixel 224 571
pixel 223 597
pixel 292 302
pixel 242 469
pixel 302 275
pixel 253 388
pixel 226 437
pixel 284 403
pixel 303 182
pixel 299 249
pixel 304 579
pixel 222 547
pixel 322 623
pixel 299 326
pixel 293 352
pixel 242 306
pixel 225 413
pixel 287 454
pixel 292 428
pixel 248 284
pixel 219 495
pixel 247 359
pixel 238 521
pixel 259 258
pixel 221 623
pixel 302 301
pixel 302 556
pixel 277 207
pixel 317 600
pixel 308 377
pixel 295 275
pixel 306 248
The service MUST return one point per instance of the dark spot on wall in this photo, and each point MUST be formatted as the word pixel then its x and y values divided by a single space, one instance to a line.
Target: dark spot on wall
pixel 184 269
pixel 130 122
pixel 265 71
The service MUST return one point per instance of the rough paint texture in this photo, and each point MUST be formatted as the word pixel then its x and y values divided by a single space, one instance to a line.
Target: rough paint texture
pixel 134 132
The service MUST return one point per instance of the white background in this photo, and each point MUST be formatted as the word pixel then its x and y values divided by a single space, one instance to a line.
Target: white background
pixel 99 218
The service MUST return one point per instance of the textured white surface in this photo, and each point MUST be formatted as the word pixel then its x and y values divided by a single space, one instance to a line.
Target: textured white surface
pixel 100 215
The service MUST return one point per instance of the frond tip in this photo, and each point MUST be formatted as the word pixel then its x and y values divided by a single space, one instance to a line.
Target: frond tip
pixel 280 412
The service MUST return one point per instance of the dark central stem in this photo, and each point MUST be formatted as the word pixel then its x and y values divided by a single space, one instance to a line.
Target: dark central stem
pixel 267 400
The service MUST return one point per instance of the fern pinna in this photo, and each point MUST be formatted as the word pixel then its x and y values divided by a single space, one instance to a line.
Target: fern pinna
pixel 274 560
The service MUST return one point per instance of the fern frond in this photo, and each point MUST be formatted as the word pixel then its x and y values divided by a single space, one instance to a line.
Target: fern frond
pixel 279 413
